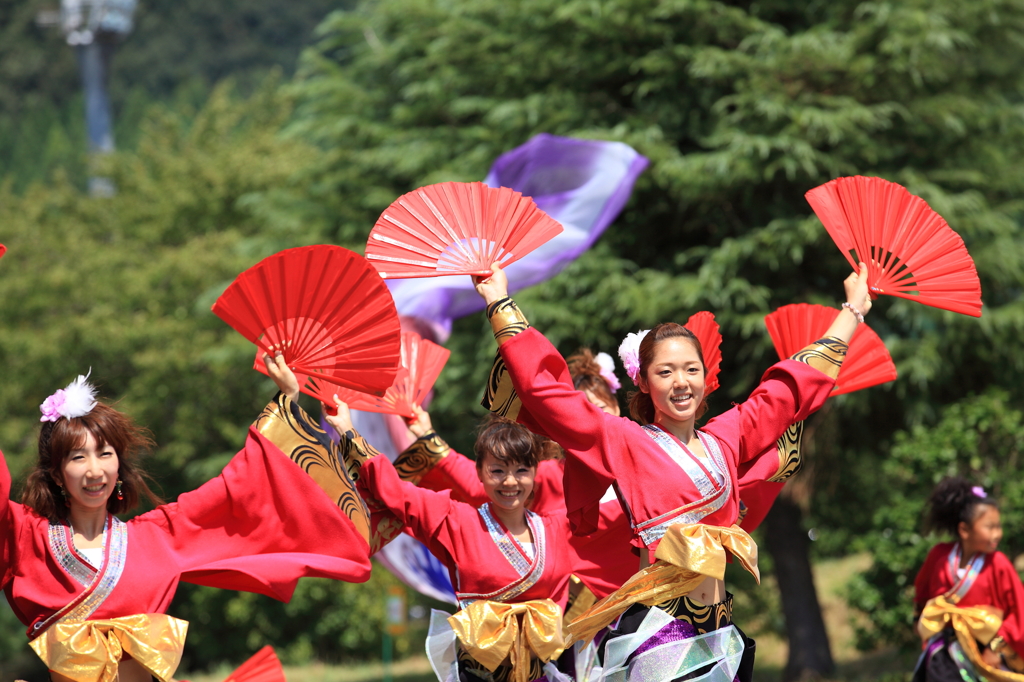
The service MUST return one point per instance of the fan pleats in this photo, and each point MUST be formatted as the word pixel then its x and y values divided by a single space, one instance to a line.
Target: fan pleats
pixel 910 251
pixel 706 330
pixel 455 228
pixel 264 666
pixel 867 363
pixel 325 308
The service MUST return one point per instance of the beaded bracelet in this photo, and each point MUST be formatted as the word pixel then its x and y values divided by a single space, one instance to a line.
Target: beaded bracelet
pixel 856 313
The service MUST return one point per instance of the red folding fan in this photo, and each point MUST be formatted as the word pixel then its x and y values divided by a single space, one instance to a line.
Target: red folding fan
pixel 705 328
pixel 326 308
pixel 867 362
pixel 262 667
pixel 3 250
pixel 456 228
pixel 909 249
pixel 421 364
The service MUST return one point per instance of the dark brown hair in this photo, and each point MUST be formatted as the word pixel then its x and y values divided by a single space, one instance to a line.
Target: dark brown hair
pixel 641 407
pixel 586 375
pixel 57 440
pixel 953 501
pixel 507 442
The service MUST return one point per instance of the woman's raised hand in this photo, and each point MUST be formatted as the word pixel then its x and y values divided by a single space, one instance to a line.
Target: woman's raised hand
pixel 494 287
pixel 342 421
pixel 420 426
pixel 282 375
pixel 857 294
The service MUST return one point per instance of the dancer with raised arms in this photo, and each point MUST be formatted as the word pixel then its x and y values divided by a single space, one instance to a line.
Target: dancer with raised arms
pixel 93 590
pixel 677 483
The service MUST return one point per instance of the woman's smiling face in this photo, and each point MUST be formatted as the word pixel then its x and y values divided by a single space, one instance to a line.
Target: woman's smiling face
pixel 89 474
pixel 507 484
pixel 675 380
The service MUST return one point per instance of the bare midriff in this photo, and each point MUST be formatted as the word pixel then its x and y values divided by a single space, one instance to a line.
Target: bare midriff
pixel 709 591
pixel 128 670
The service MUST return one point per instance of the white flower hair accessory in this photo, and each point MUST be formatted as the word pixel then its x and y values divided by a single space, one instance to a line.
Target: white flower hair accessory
pixel 607 365
pixel 629 353
pixel 74 400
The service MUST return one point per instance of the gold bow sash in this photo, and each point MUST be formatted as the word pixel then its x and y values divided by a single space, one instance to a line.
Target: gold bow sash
pixel 686 556
pixel 89 651
pixel 972 624
pixel 492 631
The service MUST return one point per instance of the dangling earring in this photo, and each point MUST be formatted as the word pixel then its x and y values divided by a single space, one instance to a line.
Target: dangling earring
pixel 63 492
pixel 120 495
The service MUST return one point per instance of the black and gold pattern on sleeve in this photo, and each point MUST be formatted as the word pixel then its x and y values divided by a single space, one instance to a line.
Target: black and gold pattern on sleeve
pixel 506 319
pixel 418 459
pixel 301 439
pixel 357 451
pixel 788 447
pixel 500 396
pixel 825 355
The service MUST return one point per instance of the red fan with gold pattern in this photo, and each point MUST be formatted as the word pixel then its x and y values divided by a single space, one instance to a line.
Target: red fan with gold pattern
pixel 264 666
pixel 705 328
pixel 326 308
pixel 909 249
pixel 421 364
pixel 867 362
pixel 456 228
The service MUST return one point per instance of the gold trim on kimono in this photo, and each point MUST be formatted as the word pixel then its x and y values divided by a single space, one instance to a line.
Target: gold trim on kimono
pixel 825 355
pixel 507 319
pixel 492 632
pixel 687 555
pixel 90 651
pixel 417 460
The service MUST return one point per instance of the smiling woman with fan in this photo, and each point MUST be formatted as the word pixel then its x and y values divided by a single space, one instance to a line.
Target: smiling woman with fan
pixel 93 590
pixel 677 483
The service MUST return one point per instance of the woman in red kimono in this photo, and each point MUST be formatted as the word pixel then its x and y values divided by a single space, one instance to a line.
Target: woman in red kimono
pixel 509 566
pixel 602 562
pixel 968 598
pixel 93 590
pixel 677 483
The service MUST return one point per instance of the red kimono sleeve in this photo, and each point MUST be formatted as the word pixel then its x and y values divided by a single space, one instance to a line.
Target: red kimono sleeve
pixel 552 407
pixel 457 473
pixel 423 513
pixel 926 577
pixel 1010 588
pixel 8 538
pixel 259 526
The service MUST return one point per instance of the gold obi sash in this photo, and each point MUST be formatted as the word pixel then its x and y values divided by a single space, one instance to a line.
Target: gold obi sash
pixel 89 651
pixel 687 555
pixel 972 624
pixel 492 631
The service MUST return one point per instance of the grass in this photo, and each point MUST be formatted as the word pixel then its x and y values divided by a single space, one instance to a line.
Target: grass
pixel 830 577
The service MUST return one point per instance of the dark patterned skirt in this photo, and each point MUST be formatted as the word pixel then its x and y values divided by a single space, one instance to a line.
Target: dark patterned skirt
pixel 691 620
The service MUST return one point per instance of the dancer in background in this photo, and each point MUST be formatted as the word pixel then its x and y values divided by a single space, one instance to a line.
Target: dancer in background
pixel 677 483
pixel 968 598
pixel 93 590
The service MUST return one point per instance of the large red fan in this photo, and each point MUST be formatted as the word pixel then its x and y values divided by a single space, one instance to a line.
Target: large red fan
pixel 421 364
pixel 456 228
pixel 909 249
pixel 867 362
pixel 264 666
pixel 705 328
pixel 3 250
pixel 326 308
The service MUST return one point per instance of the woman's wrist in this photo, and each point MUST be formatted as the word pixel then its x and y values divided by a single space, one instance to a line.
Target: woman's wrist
pixel 854 310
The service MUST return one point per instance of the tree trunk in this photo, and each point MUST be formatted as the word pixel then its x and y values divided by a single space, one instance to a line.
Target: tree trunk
pixel 810 657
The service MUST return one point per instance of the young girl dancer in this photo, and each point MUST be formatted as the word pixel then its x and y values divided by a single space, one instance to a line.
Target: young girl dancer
pixel 93 590
pixel 677 483
pixel 968 598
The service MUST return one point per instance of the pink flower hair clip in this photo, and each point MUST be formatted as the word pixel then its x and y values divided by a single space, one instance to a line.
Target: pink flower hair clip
pixel 74 400
pixel 629 353
pixel 979 492
pixel 607 365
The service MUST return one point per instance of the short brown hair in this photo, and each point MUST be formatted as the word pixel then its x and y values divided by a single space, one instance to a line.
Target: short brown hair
pixel 586 375
pixel 507 442
pixel 56 441
pixel 641 407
